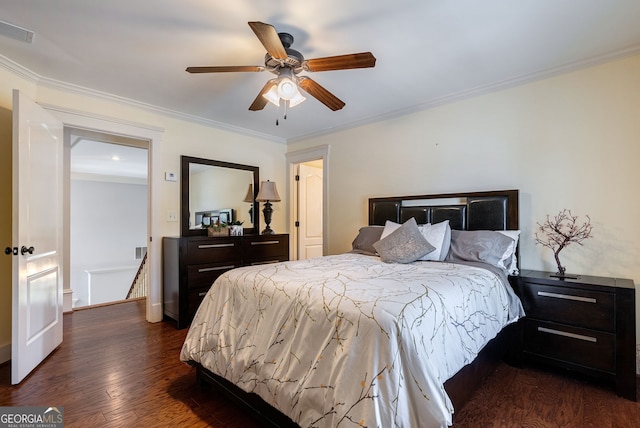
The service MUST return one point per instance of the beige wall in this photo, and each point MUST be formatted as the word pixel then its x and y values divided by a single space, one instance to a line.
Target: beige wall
pixel 571 141
pixel 179 137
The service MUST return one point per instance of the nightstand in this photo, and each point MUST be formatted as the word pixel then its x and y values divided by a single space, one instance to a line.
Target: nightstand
pixel 586 324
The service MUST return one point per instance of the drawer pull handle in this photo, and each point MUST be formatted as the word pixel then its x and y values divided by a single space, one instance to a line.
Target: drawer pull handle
pixel 567 297
pixel 567 334
pixel 204 293
pixel 231 244
pixel 264 242
pixel 215 268
pixel 264 262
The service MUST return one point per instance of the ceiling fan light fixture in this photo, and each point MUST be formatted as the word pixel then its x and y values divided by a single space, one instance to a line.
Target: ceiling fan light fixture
pixel 272 96
pixel 297 99
pixel 287 88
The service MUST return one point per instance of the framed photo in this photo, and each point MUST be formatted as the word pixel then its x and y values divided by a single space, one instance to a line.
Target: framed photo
pixel 226 215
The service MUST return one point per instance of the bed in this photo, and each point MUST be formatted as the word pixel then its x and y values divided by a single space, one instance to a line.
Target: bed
pixel 353 340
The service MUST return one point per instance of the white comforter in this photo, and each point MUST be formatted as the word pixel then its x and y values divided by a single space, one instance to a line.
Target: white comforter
pixel 348 340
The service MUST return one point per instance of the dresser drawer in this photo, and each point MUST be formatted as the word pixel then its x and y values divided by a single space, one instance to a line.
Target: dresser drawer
pixel 196 296
pixel 204 275
pixel 214 250
pixel 587 348
pixel 265 249
pixel 566 305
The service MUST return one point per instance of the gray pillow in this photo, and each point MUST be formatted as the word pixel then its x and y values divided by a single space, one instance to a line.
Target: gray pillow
pixel 367 236
pixel 484 246
pixel 404 245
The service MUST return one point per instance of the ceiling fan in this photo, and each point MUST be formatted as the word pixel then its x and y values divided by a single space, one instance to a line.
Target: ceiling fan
pixel 286 64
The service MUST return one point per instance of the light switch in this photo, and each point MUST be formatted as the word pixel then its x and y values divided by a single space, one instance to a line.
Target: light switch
pixel 170 176
pixel 172 216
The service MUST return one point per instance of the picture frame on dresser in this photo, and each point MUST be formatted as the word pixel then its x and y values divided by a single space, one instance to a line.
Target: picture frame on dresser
pixel 585 324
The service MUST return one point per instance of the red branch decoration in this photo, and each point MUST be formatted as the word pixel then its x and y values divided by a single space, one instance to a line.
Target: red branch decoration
pixel 558 232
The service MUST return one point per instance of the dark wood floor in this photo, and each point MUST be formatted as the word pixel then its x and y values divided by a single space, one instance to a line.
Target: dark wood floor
pixel 116 370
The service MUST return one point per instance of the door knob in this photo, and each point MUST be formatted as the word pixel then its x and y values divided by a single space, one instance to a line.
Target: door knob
pixel 8 251
pixel 25 250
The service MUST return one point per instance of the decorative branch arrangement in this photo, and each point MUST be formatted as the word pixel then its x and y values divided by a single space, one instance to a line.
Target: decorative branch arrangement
pixel 558 232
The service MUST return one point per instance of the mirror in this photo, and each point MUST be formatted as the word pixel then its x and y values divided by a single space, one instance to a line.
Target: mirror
pixel 215 191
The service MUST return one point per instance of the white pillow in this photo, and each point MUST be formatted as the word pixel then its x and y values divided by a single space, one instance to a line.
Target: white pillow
pixel 438 235
pixel 389 228
pixel 509 260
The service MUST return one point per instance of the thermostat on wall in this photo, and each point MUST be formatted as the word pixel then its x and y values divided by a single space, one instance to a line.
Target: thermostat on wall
pixel 170 176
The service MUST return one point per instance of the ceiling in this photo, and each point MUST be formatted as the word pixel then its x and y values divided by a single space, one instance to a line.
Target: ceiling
pixel 96 160
pixel 428 52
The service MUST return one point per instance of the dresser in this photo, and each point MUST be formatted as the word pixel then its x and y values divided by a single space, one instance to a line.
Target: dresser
pixel 191 265
pixel 585 324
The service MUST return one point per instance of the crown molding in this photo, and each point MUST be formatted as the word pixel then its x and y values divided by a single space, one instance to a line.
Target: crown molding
pixel 44 81
pixel 479 90
pixel 428 104
pixel 19 70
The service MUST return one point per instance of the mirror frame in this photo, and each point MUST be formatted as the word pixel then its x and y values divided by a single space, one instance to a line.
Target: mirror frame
pixel 185 161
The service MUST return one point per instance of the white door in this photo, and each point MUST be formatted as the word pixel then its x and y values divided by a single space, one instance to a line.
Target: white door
pixel 310 211
pixel 37 236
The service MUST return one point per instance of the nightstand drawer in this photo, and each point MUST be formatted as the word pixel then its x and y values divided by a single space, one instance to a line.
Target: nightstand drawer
pixel 214 250
pixel 566 305
pixel 587 348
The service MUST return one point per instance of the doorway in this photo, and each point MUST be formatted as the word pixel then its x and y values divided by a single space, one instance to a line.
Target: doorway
pixel 153 137
pixel 308 220
pixel 308 180
pixel 108 188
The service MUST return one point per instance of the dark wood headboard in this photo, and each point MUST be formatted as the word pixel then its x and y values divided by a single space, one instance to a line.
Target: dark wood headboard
pixel 493 210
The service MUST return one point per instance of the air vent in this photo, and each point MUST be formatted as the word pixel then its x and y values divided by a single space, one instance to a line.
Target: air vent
pixel 15 32
pixel 140 252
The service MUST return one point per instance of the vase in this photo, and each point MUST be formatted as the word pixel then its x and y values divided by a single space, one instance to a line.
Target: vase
pixel 236 230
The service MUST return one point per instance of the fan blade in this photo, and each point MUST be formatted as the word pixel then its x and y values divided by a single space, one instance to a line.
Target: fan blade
pixel 269 38
pixel 260 101
pixel 341 62
pixel 225 69
pixel 320 93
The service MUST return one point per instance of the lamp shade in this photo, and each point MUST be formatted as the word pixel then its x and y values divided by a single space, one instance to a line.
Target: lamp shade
pixel 297 99
pixel 268 192
pixel 249 198
pixel 272 95
pixel 287 88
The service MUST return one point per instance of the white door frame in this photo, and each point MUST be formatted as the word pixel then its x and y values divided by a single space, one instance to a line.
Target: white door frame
pixel 101 138
pixel 94 122
pixel 301 156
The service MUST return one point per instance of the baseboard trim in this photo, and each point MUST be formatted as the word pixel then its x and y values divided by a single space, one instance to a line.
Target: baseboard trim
pixel 155 313
pixel 67 300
